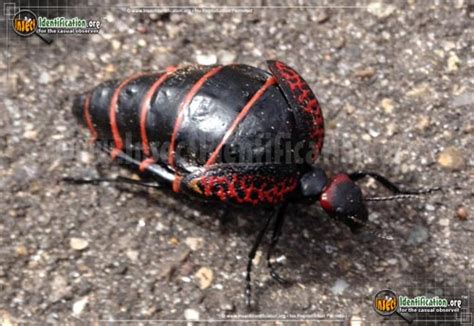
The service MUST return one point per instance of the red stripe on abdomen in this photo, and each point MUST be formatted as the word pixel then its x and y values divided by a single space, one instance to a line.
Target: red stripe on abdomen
pixel 88 118
pixel 113 114
pixel 269 82
pixel 184 104
pixel 145 107
pixel 179 119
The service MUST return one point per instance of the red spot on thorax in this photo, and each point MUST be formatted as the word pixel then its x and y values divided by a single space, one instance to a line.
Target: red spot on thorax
pixel 328 192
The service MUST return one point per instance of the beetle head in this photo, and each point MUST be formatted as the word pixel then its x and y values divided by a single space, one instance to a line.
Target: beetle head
pixel 340 197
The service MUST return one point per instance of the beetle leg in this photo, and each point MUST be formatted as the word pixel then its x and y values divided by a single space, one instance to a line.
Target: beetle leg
pixel 223 217
pixel 156 171
pixel 118 179
pixel 280 219
pixel 389 185
pixel 251 256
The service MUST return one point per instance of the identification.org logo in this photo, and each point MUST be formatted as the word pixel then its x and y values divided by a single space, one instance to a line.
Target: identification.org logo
pixel 25 23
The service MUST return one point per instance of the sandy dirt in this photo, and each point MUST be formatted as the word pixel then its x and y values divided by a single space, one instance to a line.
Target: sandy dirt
pixel 395 83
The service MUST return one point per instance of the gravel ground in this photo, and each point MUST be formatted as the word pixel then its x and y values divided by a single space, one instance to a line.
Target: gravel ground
pixel 396 86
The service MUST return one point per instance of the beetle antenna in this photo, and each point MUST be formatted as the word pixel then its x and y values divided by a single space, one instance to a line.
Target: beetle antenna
pixel 405 194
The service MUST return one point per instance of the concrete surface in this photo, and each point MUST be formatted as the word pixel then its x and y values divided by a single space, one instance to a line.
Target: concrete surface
pixel 396 87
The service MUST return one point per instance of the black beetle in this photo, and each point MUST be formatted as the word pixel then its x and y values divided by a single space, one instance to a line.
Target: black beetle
pixel 188 127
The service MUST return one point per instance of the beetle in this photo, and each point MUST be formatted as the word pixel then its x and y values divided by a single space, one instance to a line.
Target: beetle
pixel 186 128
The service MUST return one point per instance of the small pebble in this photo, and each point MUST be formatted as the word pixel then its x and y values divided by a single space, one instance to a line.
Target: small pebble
pixel 374 133
pixel 132 255
pixel 141 43
pixel 392 128
pixel 420 90
pixel 365 72
pixel 321 16
pixel 30 134
pixel 105 57
pixel 387 105
pixel 206 59
pixel 381 10
pixel 160 227
pixel 451 158
pixel 21 250
pixel 91 56
pixel 6 319
pixel 440 53
pixel 204 276
pixel 462 213
pixel 453 62
pixel 423 123
pixel 226 57
pixel 110 18
pixel 392 261
pixel 110 68
pixel 173 241
pixel 78 306
pixel 280 259
pixel 429 207
pixel 258 258
pixel 44 78
pixel 116 45
pixel 349 108
pixel 444 222
pixel 78 244
pixel 85 157
pixel 142 29
pixel 154 17
pixel 172 30
pixel 339 286
pixel 194 243
pixel 191 314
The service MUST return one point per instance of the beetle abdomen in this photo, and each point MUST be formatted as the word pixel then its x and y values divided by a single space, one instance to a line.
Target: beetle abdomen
pixel 190 117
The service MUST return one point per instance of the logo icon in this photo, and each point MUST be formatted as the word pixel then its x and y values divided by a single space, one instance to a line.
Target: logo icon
pixel 385 303
pixel 25 23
